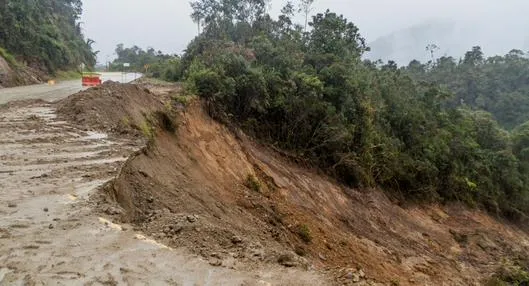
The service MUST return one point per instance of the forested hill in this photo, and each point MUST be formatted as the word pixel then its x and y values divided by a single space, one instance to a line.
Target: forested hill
pixel 499 84
pixel 305 89
pixel 45 35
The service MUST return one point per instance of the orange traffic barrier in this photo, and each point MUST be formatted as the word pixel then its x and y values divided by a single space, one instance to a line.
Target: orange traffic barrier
pixel 92 79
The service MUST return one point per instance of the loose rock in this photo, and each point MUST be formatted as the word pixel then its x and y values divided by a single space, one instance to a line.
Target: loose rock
pixel 215 262
pixel 288 260
pixel 191 219
pixel 236 240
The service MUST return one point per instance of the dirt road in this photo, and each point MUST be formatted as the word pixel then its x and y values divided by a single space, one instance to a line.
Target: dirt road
pixel 57 91
pixel 49 231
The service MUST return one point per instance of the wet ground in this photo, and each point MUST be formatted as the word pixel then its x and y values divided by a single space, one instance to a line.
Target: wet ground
pixel 49 232
pixel 57 91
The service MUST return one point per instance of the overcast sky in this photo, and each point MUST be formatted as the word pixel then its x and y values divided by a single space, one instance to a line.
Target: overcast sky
pixel 497 26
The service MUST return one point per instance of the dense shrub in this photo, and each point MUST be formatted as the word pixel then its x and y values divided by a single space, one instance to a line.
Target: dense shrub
pixel 366 123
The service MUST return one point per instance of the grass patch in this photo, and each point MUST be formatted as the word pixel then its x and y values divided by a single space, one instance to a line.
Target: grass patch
pixel 304 233
pixel 10 59
pixel 147 129
pixel 509 274
pixel 253 183
pixel 184 100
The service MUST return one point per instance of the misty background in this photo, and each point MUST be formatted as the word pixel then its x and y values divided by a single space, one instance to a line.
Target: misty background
pixel 395 30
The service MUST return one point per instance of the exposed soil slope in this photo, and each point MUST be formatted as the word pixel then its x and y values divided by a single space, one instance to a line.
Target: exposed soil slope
pixel 194 188
pixel 240 205
pixel 11 76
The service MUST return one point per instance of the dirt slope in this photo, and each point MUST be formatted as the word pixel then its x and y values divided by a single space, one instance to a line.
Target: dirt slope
pixel 191 188
pixel 200 187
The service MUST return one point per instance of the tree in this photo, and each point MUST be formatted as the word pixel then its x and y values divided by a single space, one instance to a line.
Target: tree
pixel 305 7
pixel 197 16
pixel 333 34
pixel 367 124
pixel 45 34
pixel 432 49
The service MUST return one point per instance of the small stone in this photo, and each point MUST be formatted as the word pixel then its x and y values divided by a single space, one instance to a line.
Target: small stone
pixel 322 257
pixel 215 262
pixel 124 228
pixel 112 211
pixel 361 273
pixel 356 278
pixel 287 260
pixel 45 209
pixel 11 205
pixel 150 200
pixel 236 239
pixel 215 255
pixel 51 226
pixel 191 219
pixel 348 275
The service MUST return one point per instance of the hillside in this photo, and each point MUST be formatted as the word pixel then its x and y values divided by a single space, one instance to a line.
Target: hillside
pixel 241 205
pixel 13 74
pixel 363 123
pixel 43 37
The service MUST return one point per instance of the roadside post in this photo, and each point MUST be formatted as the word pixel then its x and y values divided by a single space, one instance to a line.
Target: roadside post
pixel 125 65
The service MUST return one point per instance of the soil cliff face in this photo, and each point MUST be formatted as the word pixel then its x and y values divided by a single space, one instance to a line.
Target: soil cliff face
pixel 226 197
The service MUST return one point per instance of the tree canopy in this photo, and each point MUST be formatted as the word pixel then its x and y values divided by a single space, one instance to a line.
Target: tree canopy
pixel 151 62
pixel 430 131
pixel 499 84
pixel 45 34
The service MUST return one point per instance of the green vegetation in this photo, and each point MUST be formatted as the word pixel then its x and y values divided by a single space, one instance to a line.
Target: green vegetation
pixel 147 129
pixel 253 183
pixel 510 274
pixel 497 84
pixel 8 57
pixel 366 123
pixel 45 34
pixel 304 233
pixel 151 63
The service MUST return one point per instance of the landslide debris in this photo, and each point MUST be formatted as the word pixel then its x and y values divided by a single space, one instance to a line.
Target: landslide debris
pixel 114 108
pixel 200 186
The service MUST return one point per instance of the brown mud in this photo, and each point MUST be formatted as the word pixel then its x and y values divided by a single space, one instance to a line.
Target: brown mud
pixel 55 228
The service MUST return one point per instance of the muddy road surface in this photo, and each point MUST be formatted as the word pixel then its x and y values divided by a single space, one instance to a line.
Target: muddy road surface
pixel 50 231
pixel 57 91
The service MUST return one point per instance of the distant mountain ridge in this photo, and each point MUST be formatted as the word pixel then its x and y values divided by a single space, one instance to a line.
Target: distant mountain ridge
pixel 452 38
